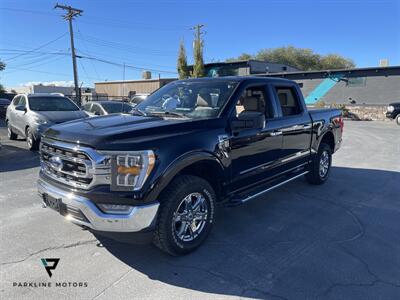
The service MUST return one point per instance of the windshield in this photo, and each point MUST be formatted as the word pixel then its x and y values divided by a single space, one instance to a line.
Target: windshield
pixel 113 108
pixel 51 104
pixel 191 99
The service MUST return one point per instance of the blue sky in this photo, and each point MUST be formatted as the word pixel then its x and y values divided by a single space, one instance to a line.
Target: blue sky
pixel 145 34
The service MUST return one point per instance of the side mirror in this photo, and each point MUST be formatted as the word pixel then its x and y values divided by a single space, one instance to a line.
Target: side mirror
pixel 248 121
pixel 20 108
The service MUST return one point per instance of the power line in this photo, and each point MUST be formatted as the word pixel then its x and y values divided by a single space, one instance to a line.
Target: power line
pixel 37 71
pixel 13 51
pixel 125 47
pixel 91 62
pixel 40 47
pixel 108 22
pixel 127 66
pixel 107 56
pixel 27 11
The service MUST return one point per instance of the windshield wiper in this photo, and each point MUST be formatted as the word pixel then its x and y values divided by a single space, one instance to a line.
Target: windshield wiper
pixel 167 113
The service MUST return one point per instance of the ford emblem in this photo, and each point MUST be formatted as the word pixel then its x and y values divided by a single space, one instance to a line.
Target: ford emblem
pixel 56 163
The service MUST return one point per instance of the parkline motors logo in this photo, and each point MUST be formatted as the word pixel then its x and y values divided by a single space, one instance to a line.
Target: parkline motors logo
pixel 50 264
pixel 46 263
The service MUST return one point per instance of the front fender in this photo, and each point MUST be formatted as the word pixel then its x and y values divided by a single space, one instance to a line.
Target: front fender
pixel 181 163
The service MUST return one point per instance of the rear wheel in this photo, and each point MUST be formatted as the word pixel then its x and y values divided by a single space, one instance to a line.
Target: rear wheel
pixel 186 215
pixel 321 165
pixel 11 135
pixel 32 143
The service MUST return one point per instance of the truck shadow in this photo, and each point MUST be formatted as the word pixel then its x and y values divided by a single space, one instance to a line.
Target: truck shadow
pixel 297 240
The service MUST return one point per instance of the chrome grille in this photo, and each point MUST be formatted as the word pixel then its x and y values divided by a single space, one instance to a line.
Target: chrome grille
pixel 80 167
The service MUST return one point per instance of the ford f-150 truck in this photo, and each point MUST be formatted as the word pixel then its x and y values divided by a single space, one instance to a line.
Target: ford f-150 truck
pixel 190 146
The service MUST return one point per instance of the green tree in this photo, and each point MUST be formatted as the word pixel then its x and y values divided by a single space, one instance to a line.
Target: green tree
pixel 198 67
pixel 300 58
pixel 243 56
pixel 182 62
pixel 335 61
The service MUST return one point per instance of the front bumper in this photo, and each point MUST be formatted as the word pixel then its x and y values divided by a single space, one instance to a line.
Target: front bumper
pixel 81 211
pixel 39 129
pixel 391 115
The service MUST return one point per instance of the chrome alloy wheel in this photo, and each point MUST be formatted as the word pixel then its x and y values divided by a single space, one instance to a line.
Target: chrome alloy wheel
pixel 324 164
pixel 29 138
pixel 190 217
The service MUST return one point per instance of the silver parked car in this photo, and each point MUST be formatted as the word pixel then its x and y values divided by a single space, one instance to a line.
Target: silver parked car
pixel 29 115
pixel 102 108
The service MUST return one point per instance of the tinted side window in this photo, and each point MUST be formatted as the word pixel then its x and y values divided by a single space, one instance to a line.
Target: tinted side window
pixel 288 100
pixel 97 110
pixel 258 93
pixel 16 100
pixel 22 101
pixel 86 107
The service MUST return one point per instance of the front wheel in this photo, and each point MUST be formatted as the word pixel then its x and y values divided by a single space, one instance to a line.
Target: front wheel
pixel 11 135
pixel 320 165
pixel 398 119
pixel 31 141
pixel 186 215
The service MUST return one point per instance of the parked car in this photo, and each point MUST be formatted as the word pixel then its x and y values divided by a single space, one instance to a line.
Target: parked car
pixel 160 172
pixel 393 112
pixel 138 98
pixel 29 115
pixel 4 103
pixel 101 108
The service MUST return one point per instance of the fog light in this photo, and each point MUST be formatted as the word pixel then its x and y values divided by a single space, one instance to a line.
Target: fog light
pixel 116 209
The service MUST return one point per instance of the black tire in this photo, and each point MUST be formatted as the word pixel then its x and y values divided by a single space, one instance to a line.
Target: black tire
pixel 11 135
pixel 319 174
pixel 172 198
pixel 32 143
pixel 398 119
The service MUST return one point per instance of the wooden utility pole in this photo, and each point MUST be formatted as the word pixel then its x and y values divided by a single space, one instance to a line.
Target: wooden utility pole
pixel 198 33
pixel 198 66
pixel 71 13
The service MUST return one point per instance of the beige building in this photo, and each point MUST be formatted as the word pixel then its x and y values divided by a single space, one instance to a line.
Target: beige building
pixel 122 89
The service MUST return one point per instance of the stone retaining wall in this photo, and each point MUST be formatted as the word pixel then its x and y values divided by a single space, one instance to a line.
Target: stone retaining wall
pixel 369 112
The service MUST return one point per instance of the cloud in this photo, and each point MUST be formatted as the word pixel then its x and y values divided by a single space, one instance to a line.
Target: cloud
pixel 51 83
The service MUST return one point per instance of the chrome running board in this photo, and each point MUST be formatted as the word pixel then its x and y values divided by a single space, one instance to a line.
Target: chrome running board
pixel 272 187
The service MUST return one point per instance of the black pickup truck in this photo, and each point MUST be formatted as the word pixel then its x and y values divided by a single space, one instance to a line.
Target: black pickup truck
pixel 160 172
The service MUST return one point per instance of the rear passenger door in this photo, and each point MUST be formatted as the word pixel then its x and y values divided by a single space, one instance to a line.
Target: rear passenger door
pixel 296 125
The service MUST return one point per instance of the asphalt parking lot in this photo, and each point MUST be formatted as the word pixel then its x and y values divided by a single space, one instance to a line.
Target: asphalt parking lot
pixel 336 241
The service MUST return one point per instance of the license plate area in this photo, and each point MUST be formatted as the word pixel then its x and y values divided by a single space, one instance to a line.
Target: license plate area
pixel 55 203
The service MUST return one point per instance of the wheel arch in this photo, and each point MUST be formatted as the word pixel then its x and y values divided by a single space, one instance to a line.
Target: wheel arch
pixel 328 138
pixel 201 164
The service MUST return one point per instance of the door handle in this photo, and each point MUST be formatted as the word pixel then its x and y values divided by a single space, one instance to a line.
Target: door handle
pixel 276 133
pixel 307 127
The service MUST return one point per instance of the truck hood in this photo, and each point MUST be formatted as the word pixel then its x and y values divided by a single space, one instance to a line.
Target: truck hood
pixel 61 116
pixel 122 132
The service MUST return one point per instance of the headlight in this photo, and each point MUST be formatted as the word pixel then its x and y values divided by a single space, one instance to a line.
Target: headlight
pixel 130 171
pixel 390 108
pixel 41 121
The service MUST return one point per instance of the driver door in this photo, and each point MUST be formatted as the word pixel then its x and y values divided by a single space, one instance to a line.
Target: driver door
pixel 255 151
pixel 20 116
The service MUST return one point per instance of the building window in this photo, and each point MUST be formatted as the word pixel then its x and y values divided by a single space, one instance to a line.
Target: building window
pixel 356 82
